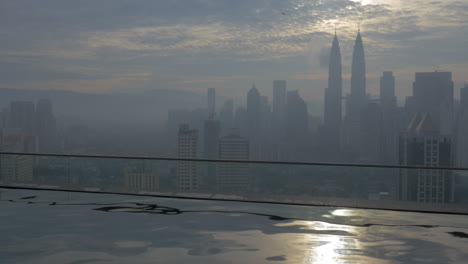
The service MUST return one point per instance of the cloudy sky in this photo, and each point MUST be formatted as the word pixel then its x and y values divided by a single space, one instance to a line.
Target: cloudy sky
pixel 132 45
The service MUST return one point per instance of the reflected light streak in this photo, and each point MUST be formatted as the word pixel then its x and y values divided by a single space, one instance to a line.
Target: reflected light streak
pixel 326 253
pixel 343 212
pixel 332 246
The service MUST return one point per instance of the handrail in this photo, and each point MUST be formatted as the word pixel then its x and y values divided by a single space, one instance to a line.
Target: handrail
pixel 360 165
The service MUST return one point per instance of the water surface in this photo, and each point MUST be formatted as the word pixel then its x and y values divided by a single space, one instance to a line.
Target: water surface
pixel 57 227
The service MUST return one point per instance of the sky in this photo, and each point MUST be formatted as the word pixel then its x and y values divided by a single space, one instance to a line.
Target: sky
pixel 105 46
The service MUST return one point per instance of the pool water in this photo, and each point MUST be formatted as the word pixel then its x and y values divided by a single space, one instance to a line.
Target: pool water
pixel 79 228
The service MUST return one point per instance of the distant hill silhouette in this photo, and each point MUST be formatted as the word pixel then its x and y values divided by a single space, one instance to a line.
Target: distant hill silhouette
pixel 149 106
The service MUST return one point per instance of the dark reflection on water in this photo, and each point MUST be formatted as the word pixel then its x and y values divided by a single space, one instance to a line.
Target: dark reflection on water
pixel 459 234
pixel 276 258
pixel 39 230
pixel 28 197
pixel 139 208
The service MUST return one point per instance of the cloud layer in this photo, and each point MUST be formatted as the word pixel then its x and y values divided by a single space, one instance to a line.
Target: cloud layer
pixel 115 45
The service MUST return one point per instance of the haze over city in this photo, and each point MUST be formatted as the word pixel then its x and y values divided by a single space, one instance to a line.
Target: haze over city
pixel 221 131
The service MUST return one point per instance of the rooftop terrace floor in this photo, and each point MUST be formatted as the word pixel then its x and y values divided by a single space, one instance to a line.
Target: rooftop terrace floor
pixel 78 228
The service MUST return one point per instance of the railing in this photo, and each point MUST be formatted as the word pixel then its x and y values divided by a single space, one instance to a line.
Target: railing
pixel 408 188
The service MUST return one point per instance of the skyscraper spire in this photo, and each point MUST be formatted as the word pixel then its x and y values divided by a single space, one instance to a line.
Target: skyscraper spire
pixel 358 69
pixel 335 76
pixel 332 112
pixel 357 100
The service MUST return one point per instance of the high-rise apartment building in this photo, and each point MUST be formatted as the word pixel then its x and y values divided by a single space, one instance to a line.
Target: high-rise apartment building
pixel 146 180
pixel 423 145
pixel 233 176
pixel 461 130
pixel 187 172
pixel 16 168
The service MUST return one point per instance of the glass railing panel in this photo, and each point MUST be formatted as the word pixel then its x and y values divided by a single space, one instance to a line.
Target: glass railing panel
pixel 357 186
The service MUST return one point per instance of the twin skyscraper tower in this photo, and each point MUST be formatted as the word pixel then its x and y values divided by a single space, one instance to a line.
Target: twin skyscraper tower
pixel 344 134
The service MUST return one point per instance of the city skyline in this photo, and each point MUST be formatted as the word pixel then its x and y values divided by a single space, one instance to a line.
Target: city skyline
pixel 219 131
pixel 355 125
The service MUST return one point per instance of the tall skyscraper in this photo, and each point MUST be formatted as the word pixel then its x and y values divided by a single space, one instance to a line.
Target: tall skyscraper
pixel 226 116
pixel 233 176
pixel 371 133
pixel 357 99
pixel 331 133
pixel 211 102
pixel 46 126
pixel 433 94
pixel 187 172
pixel 279 98
pixel 424 145
pixel 390 120
pixel 266 118
pixel 241 120
pixel 211 131
pixel 279 108
pixel 297 123
pixel 358 71
pixel 253 113
pixel 387 89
